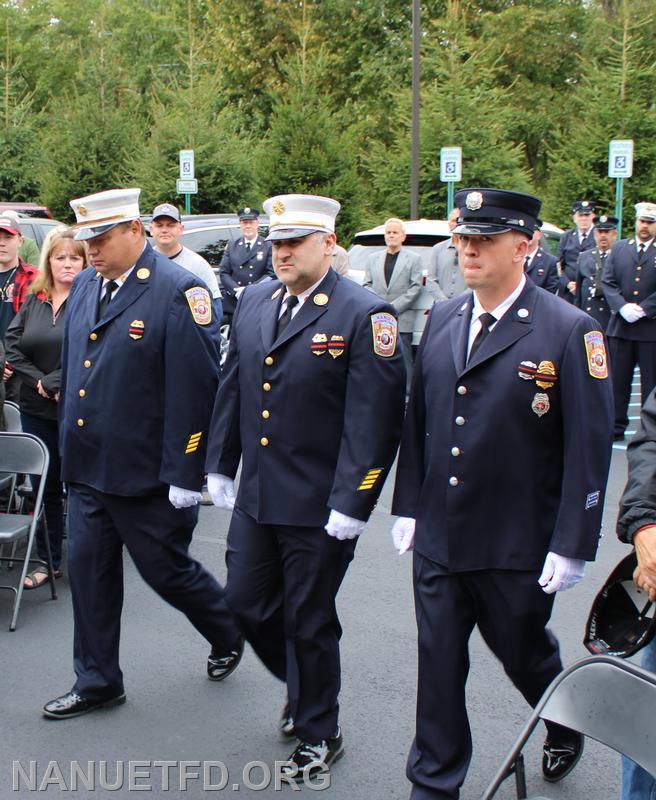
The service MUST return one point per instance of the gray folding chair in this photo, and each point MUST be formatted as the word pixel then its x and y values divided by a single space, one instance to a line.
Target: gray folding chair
pixel 24 453
pixel 13 425
pixel 603 697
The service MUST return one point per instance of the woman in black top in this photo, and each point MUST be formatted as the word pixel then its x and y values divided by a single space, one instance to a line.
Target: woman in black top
pixel 34 344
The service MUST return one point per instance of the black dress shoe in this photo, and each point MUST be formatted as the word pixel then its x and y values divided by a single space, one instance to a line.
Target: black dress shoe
pixel 72 705
pixel 221 664
pixel 560 756
pixel 309 759
pixel 286 724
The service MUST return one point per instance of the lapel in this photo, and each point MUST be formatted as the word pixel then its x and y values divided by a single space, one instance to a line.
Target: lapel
pixel 307 314
pixel 647 255
pixel 91 300
pixel 133 288
pixel 399 268
pixel 507 331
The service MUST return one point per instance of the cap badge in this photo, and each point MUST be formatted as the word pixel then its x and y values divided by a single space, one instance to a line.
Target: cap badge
pixel 384 327
pixel 143 274
pixel 82 210
pixel 603 219
pixel 136 329
pixel 474 201
pixel 319 344
pixel 540 404
pixel 584 204
pixel 276 294
pixel 278 207
pixel 336 346
pixel 247 210
pixel 320 299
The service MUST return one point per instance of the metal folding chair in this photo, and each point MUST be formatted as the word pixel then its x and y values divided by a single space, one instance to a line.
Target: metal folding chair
pixel 603 697
pixel 23 453
pixel 13 425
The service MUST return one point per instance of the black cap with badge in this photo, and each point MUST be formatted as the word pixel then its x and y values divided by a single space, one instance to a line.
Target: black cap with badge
pixel 583 206
pixel 248 213
pixel 486 212
pixel 605 223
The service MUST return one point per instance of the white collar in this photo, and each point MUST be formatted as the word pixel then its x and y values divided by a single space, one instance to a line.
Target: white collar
pixel 501 309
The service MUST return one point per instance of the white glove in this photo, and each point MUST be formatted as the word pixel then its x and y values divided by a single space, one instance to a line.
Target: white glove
pixel 560 573
pixel 222 490
pixel 342 527
pixel 183 498
pixel 238 291
pixel 632 312
pixel 403 534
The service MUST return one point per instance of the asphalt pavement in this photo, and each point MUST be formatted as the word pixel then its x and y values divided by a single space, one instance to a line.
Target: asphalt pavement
pixel 174 714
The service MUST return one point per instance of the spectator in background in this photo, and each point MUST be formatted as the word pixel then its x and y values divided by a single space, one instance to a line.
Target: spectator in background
pixel 2 388
pixel 15 278
pixel 540 266
pixel 444 279
pixel 166 229
pixel 246 261
pixel 29 250
pixel 339 260
pixel 34 345
pixel 574 242
pixel 396 276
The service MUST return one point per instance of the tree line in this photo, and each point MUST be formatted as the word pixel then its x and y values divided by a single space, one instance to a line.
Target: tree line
pixel 315 96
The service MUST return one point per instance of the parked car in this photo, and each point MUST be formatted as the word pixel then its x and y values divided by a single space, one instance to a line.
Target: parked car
pixel 208 235
pixel 28 209
pixel 37 228
pixel 421 235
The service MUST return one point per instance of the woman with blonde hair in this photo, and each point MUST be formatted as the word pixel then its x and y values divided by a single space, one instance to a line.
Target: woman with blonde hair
pixel 34 343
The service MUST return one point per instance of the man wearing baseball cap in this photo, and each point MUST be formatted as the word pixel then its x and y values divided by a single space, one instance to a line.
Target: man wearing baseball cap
pixel 139 373
pixel 500 481
pixel 15 279
pixel 311 403
pixel 629 283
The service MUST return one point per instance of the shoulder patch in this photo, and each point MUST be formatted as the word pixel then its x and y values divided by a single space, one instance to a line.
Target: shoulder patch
pixel 384 328
pixel 595 350
pixel 200 304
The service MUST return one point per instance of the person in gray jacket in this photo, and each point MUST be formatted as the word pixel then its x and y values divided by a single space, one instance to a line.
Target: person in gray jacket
pixel 395 274
pixel 444 279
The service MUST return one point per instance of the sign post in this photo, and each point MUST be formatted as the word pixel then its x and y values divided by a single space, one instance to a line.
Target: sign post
pixel 187 184
pixel 450 172
pixel 620 166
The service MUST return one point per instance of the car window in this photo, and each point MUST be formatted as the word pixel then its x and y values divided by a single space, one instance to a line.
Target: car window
pixel 27 229
pixel 210 243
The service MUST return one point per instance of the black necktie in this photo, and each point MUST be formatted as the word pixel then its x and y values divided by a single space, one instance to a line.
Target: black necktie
pixel 110 288
pixel 486 320
pixel 641 248
pixel 527 261
pixel 286 316
pixel 248 247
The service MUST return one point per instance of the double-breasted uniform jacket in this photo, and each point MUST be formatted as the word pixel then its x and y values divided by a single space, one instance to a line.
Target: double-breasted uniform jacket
pixel 404 286
pixel 138 385
pixel 590 295
pixel 543 271
pixel 239 267
pixel 506 458
pixel 314 415
pixel 569 250
pixel 630 278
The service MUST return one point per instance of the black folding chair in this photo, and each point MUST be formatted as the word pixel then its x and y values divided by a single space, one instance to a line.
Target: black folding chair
pixel 603 697
pixel 22 453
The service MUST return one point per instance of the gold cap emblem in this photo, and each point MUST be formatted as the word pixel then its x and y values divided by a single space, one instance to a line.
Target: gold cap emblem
pixel 278 207
pixel 474 201
pixel 82 211
pixel 320 299
pixel 143 273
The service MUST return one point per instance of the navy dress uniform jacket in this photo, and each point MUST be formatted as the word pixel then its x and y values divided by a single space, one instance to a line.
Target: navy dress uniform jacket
pixel 238 268
pixel 128 423
pixel 491 483
pixel 315 415
pixel 543 271
pixel 569 250
pixel 590 295
pixel 628 278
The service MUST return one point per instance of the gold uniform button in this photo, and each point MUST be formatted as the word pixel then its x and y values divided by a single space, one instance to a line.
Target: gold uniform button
pixel 87 363
pixel 80 423
pixel 93 336
pixel 462 390
pixel 266 387
pixel 268 361
pixel 265 414
pixel 639 268
pixel 82 393
pixel 637 280
pixel 455 451
pixel 264 441
pixel 636 292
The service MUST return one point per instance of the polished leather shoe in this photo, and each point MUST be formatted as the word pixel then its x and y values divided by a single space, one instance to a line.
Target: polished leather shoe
pixel 72 705
pixel 560 756
pixel 309 759
pixel 286 724
pixel 221 664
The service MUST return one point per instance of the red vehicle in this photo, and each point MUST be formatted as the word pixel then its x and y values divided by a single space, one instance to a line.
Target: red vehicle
pixel 27 209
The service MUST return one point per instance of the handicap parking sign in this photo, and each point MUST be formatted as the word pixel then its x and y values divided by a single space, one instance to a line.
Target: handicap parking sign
pixel 620 158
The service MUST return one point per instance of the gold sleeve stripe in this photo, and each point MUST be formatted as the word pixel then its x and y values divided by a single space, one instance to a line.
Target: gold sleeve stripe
pixel 369 480
pixel 192 444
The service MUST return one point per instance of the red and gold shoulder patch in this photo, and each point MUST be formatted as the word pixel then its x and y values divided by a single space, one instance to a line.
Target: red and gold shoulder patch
pixel 200 304
pixel 384 327
pixel 595 350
